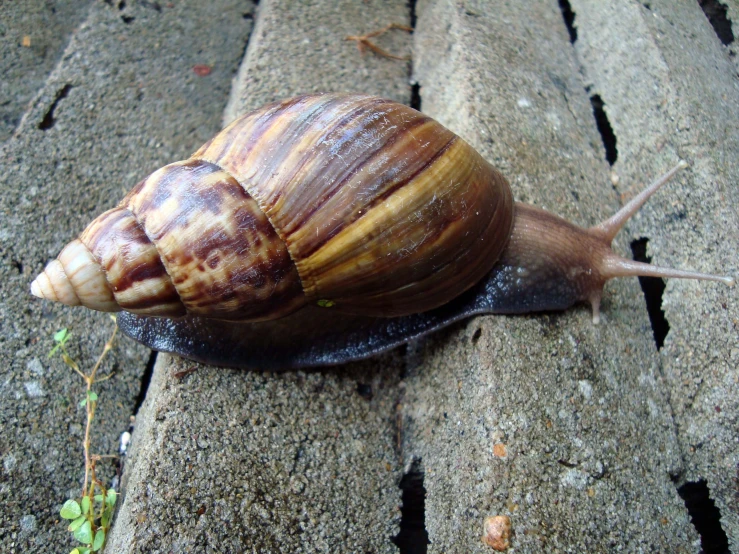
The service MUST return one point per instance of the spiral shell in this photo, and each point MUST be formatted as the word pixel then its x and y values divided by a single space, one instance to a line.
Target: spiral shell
pixel 353 200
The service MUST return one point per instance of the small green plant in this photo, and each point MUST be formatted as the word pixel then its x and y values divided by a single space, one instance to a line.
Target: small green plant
pixel 89 516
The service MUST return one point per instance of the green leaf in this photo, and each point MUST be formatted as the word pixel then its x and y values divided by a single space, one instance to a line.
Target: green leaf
pixel 111 498
pixel 75 551
pixel 61 335
pixel 323 303
pixel 70 510
pixel 97 544
pixel 76 524
pixel 84 533
pixel 83 402
pixel 92 396
pixel 98 498
pixel 85 504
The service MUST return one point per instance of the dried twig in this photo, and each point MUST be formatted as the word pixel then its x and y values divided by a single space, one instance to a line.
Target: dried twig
pixel 364 42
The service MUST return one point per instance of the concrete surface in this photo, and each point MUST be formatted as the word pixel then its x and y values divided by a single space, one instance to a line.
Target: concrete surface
pixel 301 47
pixel 297 462
pixel 31 39
pixel 125 112
pixel 237 461
pixel 574 431
pixel 683 101
pixel 581 410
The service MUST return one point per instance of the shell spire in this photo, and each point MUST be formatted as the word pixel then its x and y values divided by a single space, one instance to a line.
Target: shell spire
pixel 75 278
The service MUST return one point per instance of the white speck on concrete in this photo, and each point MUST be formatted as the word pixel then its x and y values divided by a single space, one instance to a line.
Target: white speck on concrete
pixel 574 478
pixel 125 441
pixel 9 462
pixel 524 103
pixel 28 524
pixel 33 389
pixel 34 365
pixel 586 389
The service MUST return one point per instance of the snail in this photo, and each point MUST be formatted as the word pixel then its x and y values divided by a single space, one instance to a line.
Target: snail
pixel 328 228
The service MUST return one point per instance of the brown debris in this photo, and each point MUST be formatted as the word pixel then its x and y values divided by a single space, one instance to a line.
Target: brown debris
pixel 364 42
pixel 497 532
pixel 202 70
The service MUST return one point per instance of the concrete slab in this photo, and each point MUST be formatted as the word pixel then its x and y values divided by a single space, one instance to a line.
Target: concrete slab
pixel 665 98
pixel 31 41
pixel 565 427
pixel 109 113
pixel 297 462
pixel 301 47
pixel 240 461
pixel 561 425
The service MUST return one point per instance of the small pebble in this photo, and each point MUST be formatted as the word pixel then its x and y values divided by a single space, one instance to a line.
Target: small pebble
pixel 497 532
pixel 35 366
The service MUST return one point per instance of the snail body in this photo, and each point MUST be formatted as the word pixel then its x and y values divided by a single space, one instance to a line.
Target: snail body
pixel 327 228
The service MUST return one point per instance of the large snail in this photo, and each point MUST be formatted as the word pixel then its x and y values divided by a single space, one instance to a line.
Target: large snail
pixel 327 228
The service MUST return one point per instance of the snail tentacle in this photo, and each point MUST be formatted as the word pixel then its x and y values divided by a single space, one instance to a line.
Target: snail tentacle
pixel 611 226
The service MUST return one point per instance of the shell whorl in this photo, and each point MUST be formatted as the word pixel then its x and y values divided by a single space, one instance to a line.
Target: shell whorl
pixel 384 210
pixel 349 198
pixel 188 239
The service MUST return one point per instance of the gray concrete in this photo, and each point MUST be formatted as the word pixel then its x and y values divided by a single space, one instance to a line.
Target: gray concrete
pixel 670 100
pixel 242 461
pixel 300 47
pixel 572 430
pixel 31 40
pixel 127 112
pixel 582 411
pixel 235 461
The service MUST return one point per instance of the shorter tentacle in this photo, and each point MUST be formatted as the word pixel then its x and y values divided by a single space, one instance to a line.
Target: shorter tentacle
pixel 611 226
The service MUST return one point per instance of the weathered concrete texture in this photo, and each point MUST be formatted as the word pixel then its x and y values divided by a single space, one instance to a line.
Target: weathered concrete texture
pixel 237 461
pixel 122 101
pixel 234 461
pixel 31 41
pixel 300 47
pixel 675 92
pixel 560 424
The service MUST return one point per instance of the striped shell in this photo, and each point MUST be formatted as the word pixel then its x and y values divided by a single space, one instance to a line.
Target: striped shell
pixel 349 201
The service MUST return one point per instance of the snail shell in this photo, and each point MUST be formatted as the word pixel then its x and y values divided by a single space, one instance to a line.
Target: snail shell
pixel 352 200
